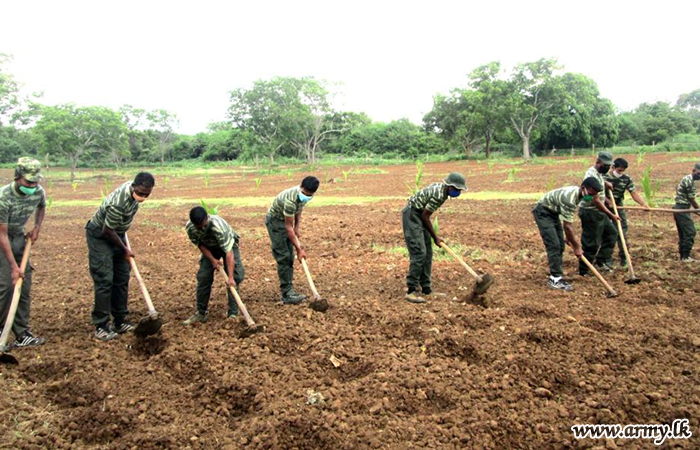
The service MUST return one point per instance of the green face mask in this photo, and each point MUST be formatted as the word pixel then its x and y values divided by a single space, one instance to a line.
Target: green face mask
pixel 588 197
pixel 27 190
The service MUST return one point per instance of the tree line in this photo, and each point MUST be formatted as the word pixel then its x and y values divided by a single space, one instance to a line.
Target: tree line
pixel 532 108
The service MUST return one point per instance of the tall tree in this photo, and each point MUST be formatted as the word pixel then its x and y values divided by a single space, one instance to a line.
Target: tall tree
pixel 163 122
pixel 9 90
pixel 74 132
pixel 532 92
pixel 457 118
pixel 490 103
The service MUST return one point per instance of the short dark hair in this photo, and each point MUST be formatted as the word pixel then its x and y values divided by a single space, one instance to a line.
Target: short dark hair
pixel 310 183
pixel 621 162
pixel 144 179
pixel 591 182
pixel 198 215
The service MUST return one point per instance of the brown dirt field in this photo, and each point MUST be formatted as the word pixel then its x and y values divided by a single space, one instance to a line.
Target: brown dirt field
pixel 447 374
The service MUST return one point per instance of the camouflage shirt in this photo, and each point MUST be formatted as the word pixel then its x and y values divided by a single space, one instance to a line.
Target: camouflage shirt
pixel 563 201
pixel 286 204
pixel 685 190
pixel 620 185
pixel 15 208
pixel 429 198
pixel 117 210
pixel 592 172
pixel 217 234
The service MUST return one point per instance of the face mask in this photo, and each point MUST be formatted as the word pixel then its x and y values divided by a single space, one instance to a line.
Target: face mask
pixel 615 174
pixel 454 193
pixel 304 198
pixel 27 190
pixel 696 177
pixel 588 198
pixel 604 169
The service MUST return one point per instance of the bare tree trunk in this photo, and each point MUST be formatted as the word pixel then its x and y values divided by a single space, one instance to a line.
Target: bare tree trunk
pixel 526 147
pixel 487 149
pixel 272 159
pixel 73 165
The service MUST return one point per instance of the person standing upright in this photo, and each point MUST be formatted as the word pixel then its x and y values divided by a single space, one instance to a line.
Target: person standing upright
pixel 685 199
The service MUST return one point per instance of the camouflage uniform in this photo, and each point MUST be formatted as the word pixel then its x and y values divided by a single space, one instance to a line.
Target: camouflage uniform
pixel 553 207
pixel 286 204
pixel 621 185
pixel 598 233
pixel 418 239
pixel 15 210
pixel 109 269
pixel 220 239
pixel 684 221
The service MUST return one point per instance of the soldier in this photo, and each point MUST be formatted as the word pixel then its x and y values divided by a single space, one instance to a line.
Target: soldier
pixel 108 255
pixel 553 208
pixel 621 183
pixel 215 239
pixel 598 233
pixel 18 200
pixel 418 231
pixel 685 198
pixel 283 222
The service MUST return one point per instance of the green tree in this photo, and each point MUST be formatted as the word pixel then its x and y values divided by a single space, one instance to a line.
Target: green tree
pixel 457 118
pixel 532 92
pixel 490 102
pixel 74 132
pixel 162 122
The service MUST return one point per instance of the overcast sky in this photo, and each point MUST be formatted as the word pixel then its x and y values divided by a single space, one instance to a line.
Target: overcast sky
pixel 390 57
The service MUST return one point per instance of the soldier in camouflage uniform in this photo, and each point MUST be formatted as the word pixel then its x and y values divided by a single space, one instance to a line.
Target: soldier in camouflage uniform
pixel 215 239
pixel 18 200
pixel 685 199
pixel 283 221
pixel 419 233
pixel 621 183
pixel 553 208
pixel 108 255
pixel 599 233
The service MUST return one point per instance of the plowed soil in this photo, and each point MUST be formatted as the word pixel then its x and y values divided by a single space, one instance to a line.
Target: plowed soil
pixel 373 371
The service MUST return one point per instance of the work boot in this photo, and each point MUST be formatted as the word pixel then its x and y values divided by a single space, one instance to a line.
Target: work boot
pixel 293 298
pixel 104 333
pixel 688 259
pixel 559 284
pixel 413 297
pixel 197 317
pixel 123 327
pixel 28 340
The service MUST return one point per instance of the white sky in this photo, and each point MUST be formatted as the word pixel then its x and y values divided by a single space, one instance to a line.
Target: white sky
pixel 390 56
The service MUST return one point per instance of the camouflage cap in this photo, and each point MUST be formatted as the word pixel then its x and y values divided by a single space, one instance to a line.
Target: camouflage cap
pixel 456 180
pixel 605 157
pixel 29 169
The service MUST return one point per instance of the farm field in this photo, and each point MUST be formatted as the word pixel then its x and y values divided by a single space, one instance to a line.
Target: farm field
pixel 447 374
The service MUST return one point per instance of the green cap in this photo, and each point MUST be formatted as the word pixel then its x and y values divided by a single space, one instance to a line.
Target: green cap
pixel 29 169
pixel 456 180
pixel 605 157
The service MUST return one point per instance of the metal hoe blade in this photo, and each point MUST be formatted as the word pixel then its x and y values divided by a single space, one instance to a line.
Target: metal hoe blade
pixel 484 285
pixel 251 330
pixel 319 304
pixel 148 326
pixel 6 358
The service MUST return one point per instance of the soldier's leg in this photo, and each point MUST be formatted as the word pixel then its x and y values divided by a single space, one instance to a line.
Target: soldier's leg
pixel 283 251
pixel 21 324
pixel 238 275
pixel 623 222
pixel 686 232
pixel 205 278
pixel 6 288
pixel 120 287
pixel 607 244
pixel 590 232
pixel 101 271
pixel 425 277
pixel 413 236
pixel 553 241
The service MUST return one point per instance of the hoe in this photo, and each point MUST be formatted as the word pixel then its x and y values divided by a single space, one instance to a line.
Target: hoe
pixel 252 326
pixel 319 304
pixel 483 282
pixel 632 278
pixel 150 324
pixel 5 357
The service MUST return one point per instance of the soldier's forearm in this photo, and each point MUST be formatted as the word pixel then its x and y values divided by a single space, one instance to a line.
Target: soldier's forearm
pixel 39 217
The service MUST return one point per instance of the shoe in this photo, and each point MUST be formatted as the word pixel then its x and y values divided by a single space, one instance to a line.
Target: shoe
pixel 604 268
pixel 413 297
pixel 105 333
pixel 28 340
pixel 293 298
pixel 688 260
pixel 560 285
pixel 585 274
pixel 232 315
pixel 124 327
pixel 197 317
pixel 432 295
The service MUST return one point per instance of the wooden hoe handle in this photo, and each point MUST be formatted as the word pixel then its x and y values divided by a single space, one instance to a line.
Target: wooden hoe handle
pixel 308 277
pixel 142 285
pixel 597 274
pixel 622 239
pixel 15 298
pixel 248 320
pixel 461 261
